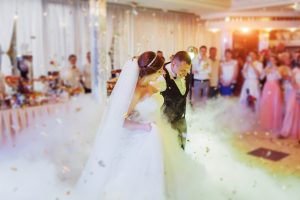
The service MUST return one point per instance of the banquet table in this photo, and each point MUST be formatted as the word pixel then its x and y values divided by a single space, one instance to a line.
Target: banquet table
pixel 14 121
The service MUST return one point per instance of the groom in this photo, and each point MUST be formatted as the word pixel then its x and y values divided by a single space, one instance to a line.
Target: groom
pixel 178 84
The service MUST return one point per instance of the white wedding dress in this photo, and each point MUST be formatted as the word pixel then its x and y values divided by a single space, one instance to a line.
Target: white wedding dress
pixel 252 84
pixel 138 171
pixel 137 165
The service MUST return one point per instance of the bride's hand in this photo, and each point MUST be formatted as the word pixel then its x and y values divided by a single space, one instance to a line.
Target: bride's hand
pixel 147 127
pixel 133 125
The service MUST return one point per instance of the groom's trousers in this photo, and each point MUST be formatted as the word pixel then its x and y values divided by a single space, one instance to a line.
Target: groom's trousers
pixel 181 127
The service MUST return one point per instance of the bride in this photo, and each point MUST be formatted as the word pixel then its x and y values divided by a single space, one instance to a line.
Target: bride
pixel 136 155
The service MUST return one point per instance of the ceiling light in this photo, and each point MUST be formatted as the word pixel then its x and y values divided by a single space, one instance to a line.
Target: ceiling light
pixel 268 29
pixel 245 30
pixel 214 30
pixel 134 12
pixel 296 6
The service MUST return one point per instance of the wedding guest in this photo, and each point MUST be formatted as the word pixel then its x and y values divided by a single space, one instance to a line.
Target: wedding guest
pixel 271 104
pixel 86 74
pixel 43 85
pixel 298 60
pixel 294 61
pixel 160 53
pixel 228 74
pixel 252 71
pixel 280 48
pixel 54 66
pixel 286 74
pixel 72 75
pixel 2 86
pixel 201 72
pixel 171 57
pixel 214 64
pixel 291 122
pixel 24 65
pixel 193 52
pixel 240 58
pixel 264 58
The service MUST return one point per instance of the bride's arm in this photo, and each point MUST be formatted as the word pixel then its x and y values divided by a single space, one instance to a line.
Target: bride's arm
pixel 130 123
pixel 133 125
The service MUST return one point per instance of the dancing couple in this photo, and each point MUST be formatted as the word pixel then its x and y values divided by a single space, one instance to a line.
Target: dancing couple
pixel 137 154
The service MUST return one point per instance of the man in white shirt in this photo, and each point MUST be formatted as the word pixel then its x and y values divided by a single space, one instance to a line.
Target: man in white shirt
pixel 201 71
pixel 86 74
pixel 72 75
pixel 214 63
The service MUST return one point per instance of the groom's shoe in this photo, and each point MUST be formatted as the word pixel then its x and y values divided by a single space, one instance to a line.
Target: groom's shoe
pixel 182 146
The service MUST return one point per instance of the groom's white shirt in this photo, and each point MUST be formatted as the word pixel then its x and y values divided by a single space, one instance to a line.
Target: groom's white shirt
pixel 180 82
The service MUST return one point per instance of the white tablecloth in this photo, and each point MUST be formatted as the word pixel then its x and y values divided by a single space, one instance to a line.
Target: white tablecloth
pixel 13 121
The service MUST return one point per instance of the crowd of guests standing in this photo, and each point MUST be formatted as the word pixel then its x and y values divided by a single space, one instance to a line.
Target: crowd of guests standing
pixel 70 77
pixel 268 83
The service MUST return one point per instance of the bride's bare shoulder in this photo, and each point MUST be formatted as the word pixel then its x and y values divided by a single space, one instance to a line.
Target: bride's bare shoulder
pixel 159 98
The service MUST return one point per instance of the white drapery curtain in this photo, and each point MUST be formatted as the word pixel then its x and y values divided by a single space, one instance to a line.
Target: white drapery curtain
pixel 46 29
pixel 66 31
pixel 119 35
pixel 7 17
pixel 30 40
pixel 142 29
pixel 54 29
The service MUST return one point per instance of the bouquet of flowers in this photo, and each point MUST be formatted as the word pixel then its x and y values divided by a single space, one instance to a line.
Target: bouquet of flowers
pixel 251 101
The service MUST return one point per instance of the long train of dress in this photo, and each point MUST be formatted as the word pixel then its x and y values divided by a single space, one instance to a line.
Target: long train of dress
pixel 145 165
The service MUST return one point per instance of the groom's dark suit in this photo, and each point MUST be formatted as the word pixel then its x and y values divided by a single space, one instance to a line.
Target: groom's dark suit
pixel 174 106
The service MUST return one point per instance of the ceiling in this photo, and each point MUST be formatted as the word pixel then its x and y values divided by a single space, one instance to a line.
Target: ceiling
pixel 204 7
pixel 259 4
pixel 191 6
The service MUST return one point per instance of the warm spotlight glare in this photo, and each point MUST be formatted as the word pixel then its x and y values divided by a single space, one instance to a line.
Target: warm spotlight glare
pixel 295 6
pixel 214 30
pixel 293 29
pixel 268 29
pixel 135 12
pixel 227 19
pixel 192 51
pixel 192 55
pixel 265 19
pixel 245 30
pixel 16 17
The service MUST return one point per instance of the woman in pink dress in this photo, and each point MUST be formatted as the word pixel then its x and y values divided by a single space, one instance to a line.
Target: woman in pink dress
pixel 271 104
pixel 291 123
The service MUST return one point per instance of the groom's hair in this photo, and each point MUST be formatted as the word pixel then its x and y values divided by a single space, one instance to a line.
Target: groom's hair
pixel 183 56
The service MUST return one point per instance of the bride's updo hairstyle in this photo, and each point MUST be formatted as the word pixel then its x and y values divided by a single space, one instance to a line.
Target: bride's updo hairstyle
pixel 149 63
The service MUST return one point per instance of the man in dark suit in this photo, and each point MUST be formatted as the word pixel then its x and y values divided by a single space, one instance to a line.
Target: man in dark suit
pixel 178 81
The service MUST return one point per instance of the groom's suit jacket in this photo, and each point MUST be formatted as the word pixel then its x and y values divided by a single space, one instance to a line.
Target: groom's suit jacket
pixel 174 106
